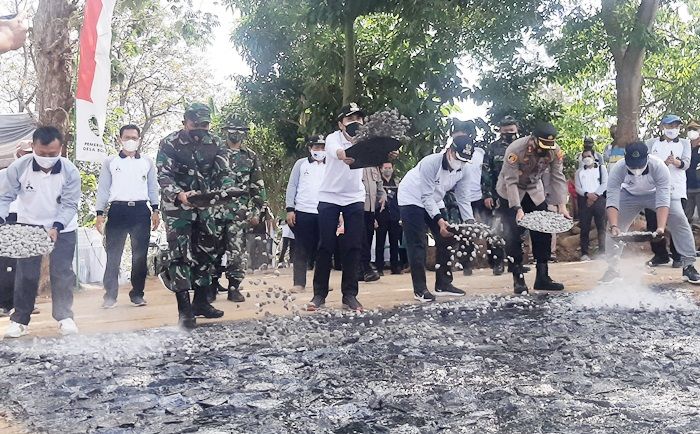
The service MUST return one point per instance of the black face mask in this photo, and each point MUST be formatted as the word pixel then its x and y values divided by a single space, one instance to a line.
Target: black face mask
pixel 509 137
pixel 198 135
pixel 351 129
pixel 542 152
pixel 236 137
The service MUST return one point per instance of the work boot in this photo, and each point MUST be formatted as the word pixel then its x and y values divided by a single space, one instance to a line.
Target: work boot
pixel 542 280
pixel 396 270
pixel 202 307
pixel 350 302
pixel 498 269
pixel 519 285
pixel 184 309
pixel 234 295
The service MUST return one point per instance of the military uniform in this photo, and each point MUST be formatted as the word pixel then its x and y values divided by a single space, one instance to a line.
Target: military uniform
pixel 520 186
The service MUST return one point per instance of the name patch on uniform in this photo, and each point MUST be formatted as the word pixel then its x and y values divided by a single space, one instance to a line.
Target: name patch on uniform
pixel 512 158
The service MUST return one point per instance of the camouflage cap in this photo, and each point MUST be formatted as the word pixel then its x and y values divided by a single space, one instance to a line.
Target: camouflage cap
pixel 234 124
pixel 198 112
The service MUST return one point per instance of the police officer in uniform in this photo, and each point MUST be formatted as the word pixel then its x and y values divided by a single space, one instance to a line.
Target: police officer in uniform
pixel 189 161
pixel 520 189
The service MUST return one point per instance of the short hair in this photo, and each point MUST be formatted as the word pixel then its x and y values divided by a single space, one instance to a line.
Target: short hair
pixel 47 134
pixel 129 127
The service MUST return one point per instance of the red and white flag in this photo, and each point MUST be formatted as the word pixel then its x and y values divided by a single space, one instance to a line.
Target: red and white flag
pixel 93 80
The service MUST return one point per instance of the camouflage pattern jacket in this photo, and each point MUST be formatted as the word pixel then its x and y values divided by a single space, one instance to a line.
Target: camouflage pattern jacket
pixel 185 166
pixel 493 163
pixel 247 175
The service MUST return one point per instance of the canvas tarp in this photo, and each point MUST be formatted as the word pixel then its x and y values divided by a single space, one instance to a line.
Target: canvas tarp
pixel 13 128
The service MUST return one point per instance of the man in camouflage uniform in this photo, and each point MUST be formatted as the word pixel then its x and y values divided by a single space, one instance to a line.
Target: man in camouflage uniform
pixel 245 212
pixel 189 161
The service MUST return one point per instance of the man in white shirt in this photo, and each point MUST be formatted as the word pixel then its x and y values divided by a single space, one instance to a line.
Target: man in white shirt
pixel 128 184
pixel 9 265
pixel 302 207
pixel 642 181
pixel 341 191
pixel 421 196
pixel 676 153
pixel 47 189
pixel 591 181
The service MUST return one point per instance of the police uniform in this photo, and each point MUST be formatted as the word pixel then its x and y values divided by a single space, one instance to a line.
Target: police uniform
pixel 520 186
pixel 192 161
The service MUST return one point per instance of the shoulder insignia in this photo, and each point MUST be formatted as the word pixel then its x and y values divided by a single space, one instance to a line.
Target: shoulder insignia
pixel 512 158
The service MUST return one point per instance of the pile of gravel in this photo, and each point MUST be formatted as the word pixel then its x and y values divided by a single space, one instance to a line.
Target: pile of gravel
pixel 24 241
pixel 547 222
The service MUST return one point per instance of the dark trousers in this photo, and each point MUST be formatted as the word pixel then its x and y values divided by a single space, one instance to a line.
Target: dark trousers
pixel 287 244
pixel 587 214
pixel 366 253
pixel 134 221
pixel 306 245
pixel 541 242
pixel 8 266
pixel 353 217
pixel 416 223
pixel 485 216
pixel 659 247
pixel 62 281
pixel 393 229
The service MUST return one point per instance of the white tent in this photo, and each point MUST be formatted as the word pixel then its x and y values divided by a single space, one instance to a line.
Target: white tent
pixel 13 128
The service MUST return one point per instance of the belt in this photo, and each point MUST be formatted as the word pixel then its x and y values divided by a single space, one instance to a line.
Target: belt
pixel 130 203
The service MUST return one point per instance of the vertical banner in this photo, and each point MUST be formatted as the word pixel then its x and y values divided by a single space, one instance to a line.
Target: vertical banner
pixel 93 80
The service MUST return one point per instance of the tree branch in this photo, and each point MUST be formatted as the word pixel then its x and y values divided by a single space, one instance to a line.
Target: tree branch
pixel 611 23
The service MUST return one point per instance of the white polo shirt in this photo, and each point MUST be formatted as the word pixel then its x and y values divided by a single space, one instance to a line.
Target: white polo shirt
pixel 4 187
pixel 127 179
pixel 341 185
pixel 680 148
pixel 304 185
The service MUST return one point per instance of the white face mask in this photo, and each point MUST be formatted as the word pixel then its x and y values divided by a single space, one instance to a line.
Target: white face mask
pixel 588 161
pixel 456 164
pixel 693 135
pixel 318 155
pixel 672 133
pixel 130 145
pixel 638 172
pixel 46 162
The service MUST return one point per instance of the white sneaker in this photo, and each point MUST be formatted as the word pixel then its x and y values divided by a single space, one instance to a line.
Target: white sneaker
pixel 16 330
pixel 67 327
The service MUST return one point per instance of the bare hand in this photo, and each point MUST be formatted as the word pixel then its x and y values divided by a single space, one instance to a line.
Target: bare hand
pixel 393 155
pixel 660 232
pixel 348 161
pixel 291 219
pixel 443 229
pixel 13 33
pixel 519 215
pixel 53 234
pixel 614 231
pixel 488 203
pixel 563 211
pixel 155 220
pixel 183 195
pixel 254 221
pixel 100 224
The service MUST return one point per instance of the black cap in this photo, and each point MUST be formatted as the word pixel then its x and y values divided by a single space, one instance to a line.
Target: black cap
pixel 464 147
pixel 318 139
pixel 349 110
pixel 467 127
pixel 546 135
pixel 507 121
pixel 636 155
pixel 588 140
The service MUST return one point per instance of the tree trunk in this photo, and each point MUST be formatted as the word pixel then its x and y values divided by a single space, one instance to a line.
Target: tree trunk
pixel 349 85
pixel 54 62
pixel 629 95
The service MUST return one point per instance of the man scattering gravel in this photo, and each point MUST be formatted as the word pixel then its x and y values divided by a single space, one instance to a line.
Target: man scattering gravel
pixel 47 189
pixel 421 196
pixel 638 182
pixel 520 186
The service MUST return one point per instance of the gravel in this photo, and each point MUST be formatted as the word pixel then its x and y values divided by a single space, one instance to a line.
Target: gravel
pixel 387 123
pixel 547 222
pixel 482 364
pixel 23 241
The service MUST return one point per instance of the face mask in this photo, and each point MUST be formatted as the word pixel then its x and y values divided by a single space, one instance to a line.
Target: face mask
pixel 672 133
pixel 198 135
pixel 638 172
pixel 588 161
pixel 456 164
pixel 318 155
pixel 351 129
pixel 387 173
pixel 236 137
pixel 509 137
pixel 46 162
pixel 693 134
pixel 130 145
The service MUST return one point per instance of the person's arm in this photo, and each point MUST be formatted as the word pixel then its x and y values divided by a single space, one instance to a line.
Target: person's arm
pixel 70 197
pixel 104 185
pixel 662 179
pixel 293 185
pixel 427 170
pixel 169 189
pixel 557 183
pixel 11 192
pixel 603 181
pixel 577 183
pixel 615 180
pixel 510 172
pixel 685 157
pixel 152 182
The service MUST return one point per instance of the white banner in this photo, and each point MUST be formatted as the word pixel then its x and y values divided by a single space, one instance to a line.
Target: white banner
pixel 93 80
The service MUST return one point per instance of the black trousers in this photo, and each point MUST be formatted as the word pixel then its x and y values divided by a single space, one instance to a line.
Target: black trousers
pixel 541 242
pixel 586 214
pixel 305 246
pixel 366 253
pixel 62 281
pixel 287 244
pixel 659 247
pixel 416 223
pixel 134 221
pixel 353 217
pixel 8 266
pixel 485 216
pixel 393 229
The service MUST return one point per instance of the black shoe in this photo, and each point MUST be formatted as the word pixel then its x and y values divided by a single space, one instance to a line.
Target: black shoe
pixel 525 269
pixel 519 285
pixel 316 303
pixel 212 293
pixel 350 302
pixel 206 310
pixel 371 276
pixel 424 297
pixel 186 318
pixel 610 276
pixel 691 275
pixel 234 295
pixel 109 303
pixel 498 269
pixel 380 272
pixel 220 288
pixel 467 271
pixel 396 270
pixel 657 260
pixel 677 263
pixel 543 282
pixel 138 301
pixel 449 290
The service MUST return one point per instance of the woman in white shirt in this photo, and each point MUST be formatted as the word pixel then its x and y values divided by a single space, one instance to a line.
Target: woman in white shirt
pixel 591 184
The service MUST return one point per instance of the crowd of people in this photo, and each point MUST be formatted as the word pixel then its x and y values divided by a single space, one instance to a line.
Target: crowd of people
pixel 335 213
